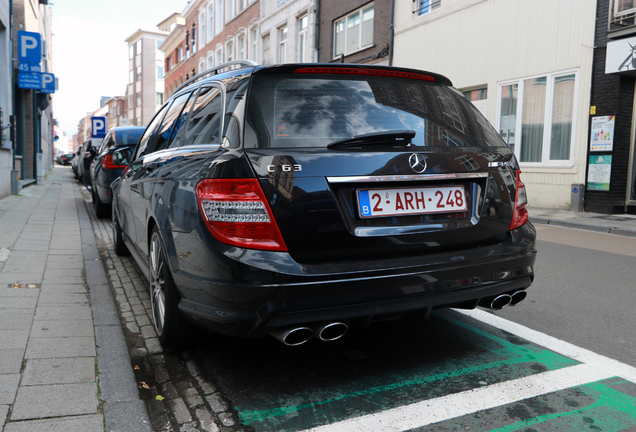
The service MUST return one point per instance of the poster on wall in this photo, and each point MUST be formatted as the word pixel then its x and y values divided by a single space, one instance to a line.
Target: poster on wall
pixel 599 172
pixel 602 136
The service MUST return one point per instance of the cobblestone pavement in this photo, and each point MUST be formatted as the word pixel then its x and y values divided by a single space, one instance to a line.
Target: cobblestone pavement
pixel 177 397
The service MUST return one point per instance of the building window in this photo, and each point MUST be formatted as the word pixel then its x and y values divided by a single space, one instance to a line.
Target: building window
pixel 202 27
pixel 138 99
pixel 425 6
pixel 241 47
pixel 253 43
pixel 219 56
pixel 218 25
pixel 138 121
pixel 187 45
pixel 201 65
pixel 241 5
pixel 159 42
pixel 354 32
pixel 180 53
pixel 138 47
pixel 194 39
pixel 230 10
pixel 138 73
pixel 229 51
pixel 131 77
pixel 537 117
pixel 302 38
pixel 210 60
pixel 159 72
pixel 282 44
pixel 624 7
pixel 159 98
pixel 210 21
pixel 131 52
pixel 169 63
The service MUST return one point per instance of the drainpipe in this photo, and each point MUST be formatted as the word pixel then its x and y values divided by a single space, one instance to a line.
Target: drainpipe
pixel 317 31
pixel 36 136
pixel 391 33
pixel 13 143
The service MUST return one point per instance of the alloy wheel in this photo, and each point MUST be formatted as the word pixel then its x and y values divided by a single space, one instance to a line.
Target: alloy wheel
pixel 157 284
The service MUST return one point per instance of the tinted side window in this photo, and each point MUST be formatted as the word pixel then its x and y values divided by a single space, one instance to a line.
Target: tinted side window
pixel 172 122
pixel 149 133
pixel 126 137
pixel 205 121
pixel 108 141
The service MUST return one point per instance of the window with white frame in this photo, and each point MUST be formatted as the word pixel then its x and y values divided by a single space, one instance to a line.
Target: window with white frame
pixel 210 60
pixel 229 10
pixel 159 72
pixel 210 21
pixel 139 43
pixel 354 32
pixel 229 51
pixel 201 65
pixel 240 5
pixel 131 52
pixel 624 7
pixel 302 38
pixel 138 73
pixel 282 44
pixel 180 53
pixel 536 117
pixel 194 39
pixel 218 24
pixel 219 56
pixel 425 6
pixel 131 77
pixel 240 50
pixel 202 34
pixel 253 43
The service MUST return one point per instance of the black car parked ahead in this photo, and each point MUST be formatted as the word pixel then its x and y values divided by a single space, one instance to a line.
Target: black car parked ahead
pixel 297 200
pixel 103 170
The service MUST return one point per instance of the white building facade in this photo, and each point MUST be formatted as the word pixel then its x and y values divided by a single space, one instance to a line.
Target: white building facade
pixel 287 31
pixel 527 65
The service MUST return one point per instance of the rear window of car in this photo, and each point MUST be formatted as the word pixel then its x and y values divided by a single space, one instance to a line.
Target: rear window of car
pixel 128 137
pixel 288 111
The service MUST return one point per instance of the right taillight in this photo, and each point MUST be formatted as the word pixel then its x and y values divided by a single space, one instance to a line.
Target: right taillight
pixel 237 213
pixel 520 212
pixel 108 163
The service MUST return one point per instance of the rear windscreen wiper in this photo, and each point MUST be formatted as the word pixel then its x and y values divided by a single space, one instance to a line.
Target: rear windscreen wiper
pixel 393 138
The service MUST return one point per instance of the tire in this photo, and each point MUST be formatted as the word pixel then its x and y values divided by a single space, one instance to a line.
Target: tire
pixel 171 327
pixel 118 239
pixel 101 210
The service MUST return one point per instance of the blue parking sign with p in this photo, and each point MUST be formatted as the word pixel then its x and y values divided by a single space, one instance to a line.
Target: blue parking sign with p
pixel 29 47
pixel 98 127
pixel 48 83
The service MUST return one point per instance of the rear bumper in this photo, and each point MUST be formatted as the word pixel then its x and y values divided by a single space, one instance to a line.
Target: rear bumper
pixel 252 293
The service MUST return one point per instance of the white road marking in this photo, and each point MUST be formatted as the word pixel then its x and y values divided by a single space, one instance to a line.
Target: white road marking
pixel 593 367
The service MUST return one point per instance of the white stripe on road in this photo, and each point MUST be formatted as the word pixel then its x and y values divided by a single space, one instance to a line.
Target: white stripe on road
pixel 594 367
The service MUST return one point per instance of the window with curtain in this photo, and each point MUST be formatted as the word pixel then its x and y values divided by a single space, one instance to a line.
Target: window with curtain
pixel 546 115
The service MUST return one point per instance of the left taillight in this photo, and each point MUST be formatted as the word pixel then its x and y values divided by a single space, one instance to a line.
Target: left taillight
pixel 520 212
pixel 237 213
pixel 108 163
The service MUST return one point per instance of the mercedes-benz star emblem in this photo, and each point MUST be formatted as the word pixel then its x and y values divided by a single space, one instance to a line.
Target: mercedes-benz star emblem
pixel 417 162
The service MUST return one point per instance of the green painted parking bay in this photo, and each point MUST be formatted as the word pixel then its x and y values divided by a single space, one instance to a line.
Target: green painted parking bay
pixel 372 372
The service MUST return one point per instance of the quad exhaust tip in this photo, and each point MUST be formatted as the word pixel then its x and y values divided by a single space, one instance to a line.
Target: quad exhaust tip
pixel 326 332
pixel 518 297
pixel 500 302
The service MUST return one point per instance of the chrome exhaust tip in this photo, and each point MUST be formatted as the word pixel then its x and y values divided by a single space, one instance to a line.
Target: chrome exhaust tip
pixel 518 297
pixel 500 302
pixel 330 331
pixel 293 336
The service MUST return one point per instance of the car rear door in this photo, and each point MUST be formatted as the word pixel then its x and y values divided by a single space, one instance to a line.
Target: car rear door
pixel 452 187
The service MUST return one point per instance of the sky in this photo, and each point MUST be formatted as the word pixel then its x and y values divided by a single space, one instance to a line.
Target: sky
pixel 90 54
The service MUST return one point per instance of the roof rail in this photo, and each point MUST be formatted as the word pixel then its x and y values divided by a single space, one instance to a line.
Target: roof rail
pixel 215 70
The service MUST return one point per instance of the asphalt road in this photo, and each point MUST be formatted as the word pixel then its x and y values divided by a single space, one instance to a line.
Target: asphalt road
pixel 584 291
pixel 455 370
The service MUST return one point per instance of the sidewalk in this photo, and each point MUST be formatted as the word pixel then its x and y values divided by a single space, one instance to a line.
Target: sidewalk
pixel 64 363
pixel 623 224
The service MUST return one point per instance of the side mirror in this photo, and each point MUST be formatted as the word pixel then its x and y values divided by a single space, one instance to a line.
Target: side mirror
pixel 92 151
pixel 122 156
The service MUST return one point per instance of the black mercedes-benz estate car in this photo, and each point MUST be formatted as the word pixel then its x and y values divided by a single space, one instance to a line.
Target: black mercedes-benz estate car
pixel 298 200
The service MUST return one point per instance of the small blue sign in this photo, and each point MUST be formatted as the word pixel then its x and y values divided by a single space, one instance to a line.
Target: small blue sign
pixel 575 190
pixel 31 81
pixel 98 127
pixel 29 68
pixel 48 83
pixel 365 203
pixel 29 47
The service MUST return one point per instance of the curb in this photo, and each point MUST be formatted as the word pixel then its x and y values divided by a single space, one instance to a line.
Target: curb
pixel 124 411
pixel 582 226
